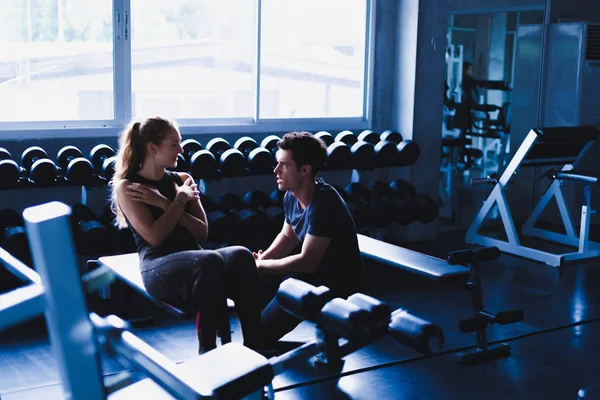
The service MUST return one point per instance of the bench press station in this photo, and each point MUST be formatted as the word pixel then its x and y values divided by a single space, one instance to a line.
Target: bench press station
pixel 79 337
pixel 544 148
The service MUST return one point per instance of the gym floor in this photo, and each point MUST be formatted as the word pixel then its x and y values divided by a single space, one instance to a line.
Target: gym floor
pixel 555 350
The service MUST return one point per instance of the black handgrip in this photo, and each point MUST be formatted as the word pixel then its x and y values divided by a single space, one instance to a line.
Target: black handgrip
pixel 509 317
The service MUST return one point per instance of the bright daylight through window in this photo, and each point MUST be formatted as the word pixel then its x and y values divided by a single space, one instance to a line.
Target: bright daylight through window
pixel 188 59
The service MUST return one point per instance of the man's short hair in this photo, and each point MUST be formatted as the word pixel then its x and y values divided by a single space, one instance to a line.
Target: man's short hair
pixel 306 149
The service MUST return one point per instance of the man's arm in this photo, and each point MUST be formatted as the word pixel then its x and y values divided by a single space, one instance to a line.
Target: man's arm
pixel 313 249
pixel 283 244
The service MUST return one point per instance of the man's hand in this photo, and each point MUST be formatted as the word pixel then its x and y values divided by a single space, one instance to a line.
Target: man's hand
pixel 257 256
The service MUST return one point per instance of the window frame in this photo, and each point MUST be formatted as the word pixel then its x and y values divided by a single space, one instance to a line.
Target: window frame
pixel 123 107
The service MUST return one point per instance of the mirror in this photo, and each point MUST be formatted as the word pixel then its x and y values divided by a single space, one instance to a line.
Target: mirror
pixel 483 57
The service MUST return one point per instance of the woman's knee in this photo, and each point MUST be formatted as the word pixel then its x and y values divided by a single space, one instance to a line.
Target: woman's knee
pixel 210 265
pixel 238 259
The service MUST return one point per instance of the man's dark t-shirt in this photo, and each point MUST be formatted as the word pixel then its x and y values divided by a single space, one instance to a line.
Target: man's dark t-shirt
pixel 327 215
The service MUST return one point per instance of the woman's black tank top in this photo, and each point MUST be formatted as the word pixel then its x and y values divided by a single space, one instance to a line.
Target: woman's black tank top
pixel 180 239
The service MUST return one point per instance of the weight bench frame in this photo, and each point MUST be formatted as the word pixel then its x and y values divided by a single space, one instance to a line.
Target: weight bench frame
pixel 585 248
pixel 445 271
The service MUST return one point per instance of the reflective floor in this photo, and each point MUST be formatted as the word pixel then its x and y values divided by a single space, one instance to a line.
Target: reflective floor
pixel 555 349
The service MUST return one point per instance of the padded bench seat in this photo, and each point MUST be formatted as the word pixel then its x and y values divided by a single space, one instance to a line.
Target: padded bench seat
pixel 127 268
pixel 412 261
pixel 231 371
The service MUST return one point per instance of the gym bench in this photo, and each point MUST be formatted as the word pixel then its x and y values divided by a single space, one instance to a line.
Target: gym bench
pixel 462 269
pixel 548 147
pixel 126 268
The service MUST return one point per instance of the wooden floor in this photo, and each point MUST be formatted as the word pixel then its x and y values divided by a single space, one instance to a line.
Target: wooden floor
pixel 555 349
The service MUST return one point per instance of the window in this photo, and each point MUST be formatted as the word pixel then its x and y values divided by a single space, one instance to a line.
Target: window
pixel 99 63
pixel 313 55
pixel 192 51
pixel 56 60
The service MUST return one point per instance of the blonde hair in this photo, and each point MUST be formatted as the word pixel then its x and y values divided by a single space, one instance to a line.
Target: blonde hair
pixel 133 144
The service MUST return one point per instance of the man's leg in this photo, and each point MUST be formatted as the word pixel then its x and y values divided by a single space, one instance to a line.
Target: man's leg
pixel 276 323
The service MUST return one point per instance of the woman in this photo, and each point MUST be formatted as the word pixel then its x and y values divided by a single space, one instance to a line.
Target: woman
pixel 163 210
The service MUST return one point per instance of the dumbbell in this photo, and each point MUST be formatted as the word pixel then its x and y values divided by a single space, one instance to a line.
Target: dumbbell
pixel 41 169
pixel 346 137
pixel 14 236
pixel 386 154
pixel 182 165
pixel 261 202
pixel 408 153
pixel 394 207
pixel 326 137
pixel 369 136
pixel 260 160
pixel 231 161
pixel 277 197
pixel 221 226
pixel 339 156
pixel 408 150
pixel 92 237
pixel 75 167
pixel 363 156
pixel 249 221
pixel 9 170
pixel 103 159
pixel 270 143
pixel 202 164
pixel 426 208
pixel 391 136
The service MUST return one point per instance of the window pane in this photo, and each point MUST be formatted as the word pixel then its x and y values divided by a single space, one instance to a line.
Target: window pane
pixel 312 58
pixel 56 60
pixel 193 58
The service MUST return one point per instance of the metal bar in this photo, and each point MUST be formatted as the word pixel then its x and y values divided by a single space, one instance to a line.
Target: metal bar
pixel 19 269
pixel 20 305
pixel 71 332
pixel 258 57
pixel 158 367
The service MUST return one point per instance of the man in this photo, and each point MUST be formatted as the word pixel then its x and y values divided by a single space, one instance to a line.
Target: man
pixel 317 220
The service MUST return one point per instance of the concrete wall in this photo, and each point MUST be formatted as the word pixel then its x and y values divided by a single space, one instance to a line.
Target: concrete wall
pixel 578 10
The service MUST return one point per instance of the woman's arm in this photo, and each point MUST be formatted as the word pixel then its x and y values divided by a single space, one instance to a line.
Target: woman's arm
pixel 194 219
pixel 154 231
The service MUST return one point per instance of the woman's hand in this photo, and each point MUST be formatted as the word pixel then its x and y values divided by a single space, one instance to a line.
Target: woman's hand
pixel 188 191
pixel 147 194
